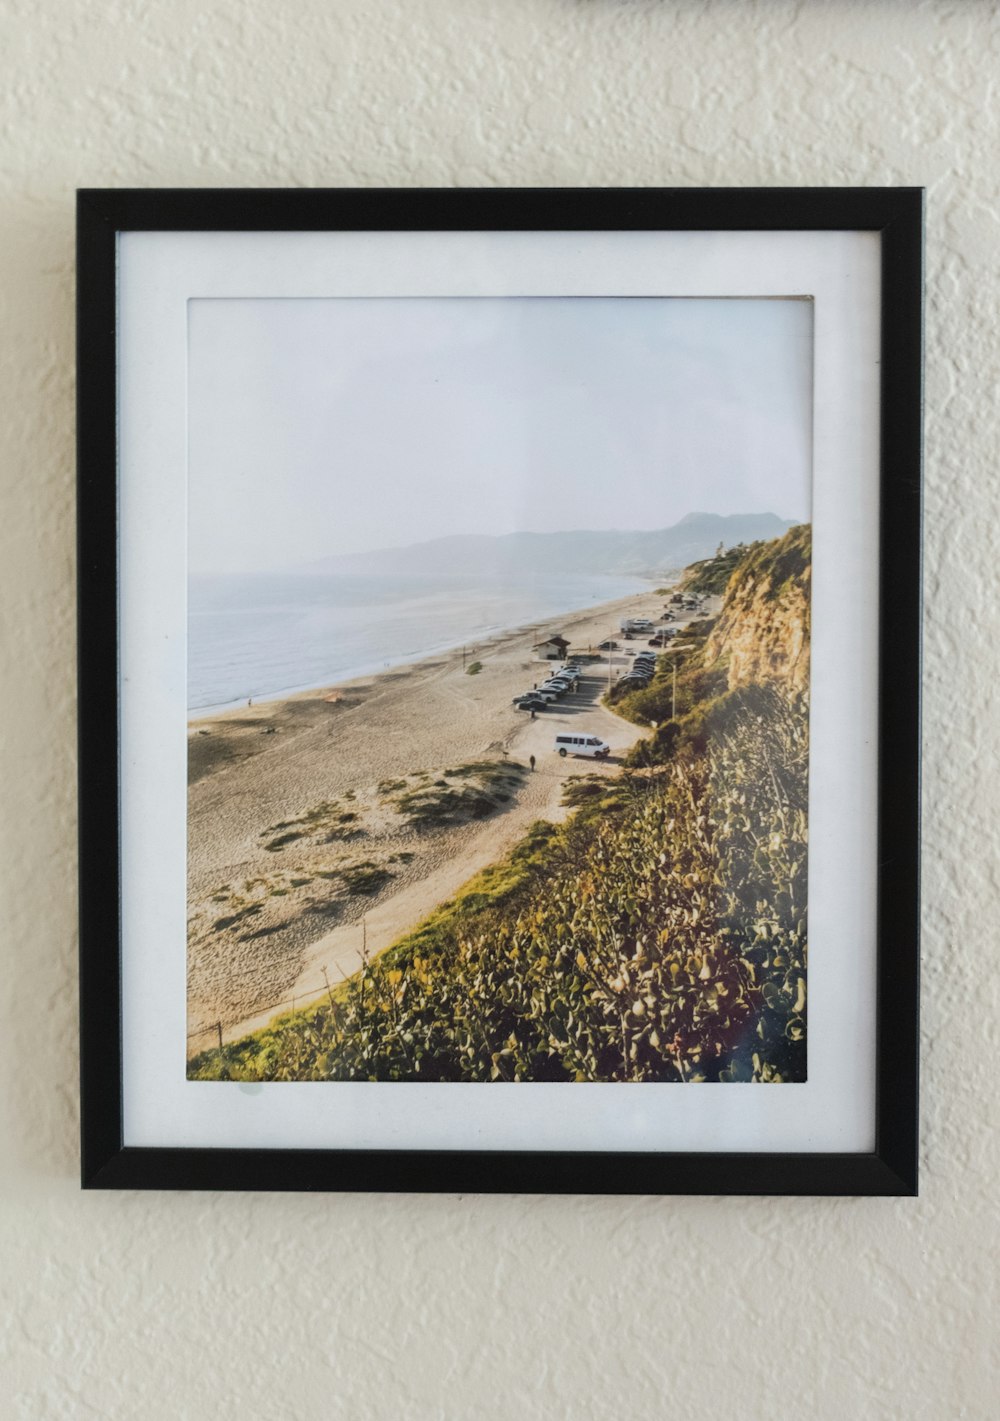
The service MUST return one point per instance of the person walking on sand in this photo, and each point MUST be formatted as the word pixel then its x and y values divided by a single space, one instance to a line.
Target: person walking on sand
pixel 531 762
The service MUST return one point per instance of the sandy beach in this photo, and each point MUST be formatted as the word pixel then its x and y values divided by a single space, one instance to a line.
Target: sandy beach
pixel 299 857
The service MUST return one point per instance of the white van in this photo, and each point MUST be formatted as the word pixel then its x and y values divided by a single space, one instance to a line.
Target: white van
pixel 637 624
pixel 582 745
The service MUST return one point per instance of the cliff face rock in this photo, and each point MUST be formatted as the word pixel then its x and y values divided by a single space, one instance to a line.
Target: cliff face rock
pixel 763 629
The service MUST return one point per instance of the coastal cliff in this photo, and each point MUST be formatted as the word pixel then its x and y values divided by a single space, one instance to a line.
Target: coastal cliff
pixel 763 630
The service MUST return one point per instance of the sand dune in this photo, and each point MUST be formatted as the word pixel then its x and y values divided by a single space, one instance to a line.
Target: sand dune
pixel 298 854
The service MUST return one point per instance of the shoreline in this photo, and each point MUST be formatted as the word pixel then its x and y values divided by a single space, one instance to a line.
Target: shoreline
pixel 272 701
pixel 289 798
pixel 476 637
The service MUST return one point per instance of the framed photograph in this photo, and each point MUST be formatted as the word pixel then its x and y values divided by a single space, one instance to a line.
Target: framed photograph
pixel 499 685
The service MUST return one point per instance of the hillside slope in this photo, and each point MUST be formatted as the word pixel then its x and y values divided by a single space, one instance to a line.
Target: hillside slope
pixel 760 638
pixel 763 630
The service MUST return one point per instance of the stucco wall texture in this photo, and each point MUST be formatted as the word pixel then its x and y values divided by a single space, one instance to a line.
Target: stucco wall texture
pixel 214 1306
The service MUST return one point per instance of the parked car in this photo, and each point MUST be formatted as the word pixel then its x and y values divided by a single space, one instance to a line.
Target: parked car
pixel 588 745
pixel 547 693
pixel 530 703
pixel 607 646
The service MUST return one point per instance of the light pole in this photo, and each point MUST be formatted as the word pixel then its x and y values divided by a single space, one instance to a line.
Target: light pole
pixel 672 653
pixel 611 655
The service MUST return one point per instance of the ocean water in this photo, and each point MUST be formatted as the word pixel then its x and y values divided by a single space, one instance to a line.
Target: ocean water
pixel 263 635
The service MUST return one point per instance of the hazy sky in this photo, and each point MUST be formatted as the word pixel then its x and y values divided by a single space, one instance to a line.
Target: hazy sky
pixel 333 426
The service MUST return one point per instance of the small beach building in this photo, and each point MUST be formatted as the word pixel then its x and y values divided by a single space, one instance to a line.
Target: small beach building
pixel 554 648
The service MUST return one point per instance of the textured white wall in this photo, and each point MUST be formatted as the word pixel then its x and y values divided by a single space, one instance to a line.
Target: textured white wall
pixel 444 1307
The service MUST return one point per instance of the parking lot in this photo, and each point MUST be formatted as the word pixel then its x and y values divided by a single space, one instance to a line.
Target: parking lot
pixel 578 711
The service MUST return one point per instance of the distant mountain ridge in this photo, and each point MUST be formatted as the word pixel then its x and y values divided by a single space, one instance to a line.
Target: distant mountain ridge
pixel 640 552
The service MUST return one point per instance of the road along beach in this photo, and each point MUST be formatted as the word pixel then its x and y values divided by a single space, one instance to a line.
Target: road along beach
pixel 324 825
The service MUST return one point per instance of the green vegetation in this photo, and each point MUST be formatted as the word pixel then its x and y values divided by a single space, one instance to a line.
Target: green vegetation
pixel 778 563
pixel 690 689
pixel 473 668
pixel 709 578
pixel 279 843
pixel 232 919
pixel 481 788
pixel 699 689
pixel 657 934
pixel 365 878
pixel 325 823
pixel 773 567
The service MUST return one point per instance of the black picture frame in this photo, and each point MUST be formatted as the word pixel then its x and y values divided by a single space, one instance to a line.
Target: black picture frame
pixel 897 215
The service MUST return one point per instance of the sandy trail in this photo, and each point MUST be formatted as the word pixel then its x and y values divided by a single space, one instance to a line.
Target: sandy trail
pixel 265 923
